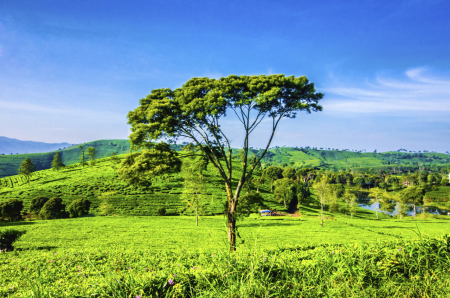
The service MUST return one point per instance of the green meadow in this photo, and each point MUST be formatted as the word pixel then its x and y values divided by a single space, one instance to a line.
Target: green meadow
pixel 130 252
pixel 281 257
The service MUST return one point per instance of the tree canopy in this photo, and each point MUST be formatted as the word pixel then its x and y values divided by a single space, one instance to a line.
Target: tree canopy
pixel 193 112
pixel 27 168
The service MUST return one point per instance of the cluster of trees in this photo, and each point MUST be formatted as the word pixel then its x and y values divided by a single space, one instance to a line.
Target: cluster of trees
pixel 44 208
pixel 27 167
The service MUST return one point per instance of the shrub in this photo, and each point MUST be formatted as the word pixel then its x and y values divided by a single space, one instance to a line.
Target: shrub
pixel 53 209
pixel 8 237
pixel 37 203
pixel 11 209
pixel 161 211
pixel 79 207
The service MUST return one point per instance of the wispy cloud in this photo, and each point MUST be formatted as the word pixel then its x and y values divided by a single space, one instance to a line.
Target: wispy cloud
pixel 417 89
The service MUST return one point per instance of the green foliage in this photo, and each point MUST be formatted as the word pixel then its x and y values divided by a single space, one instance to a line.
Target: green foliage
pixel 91 152
pixel 82 158
pixel 273 173
pixel 131 256
pixel 53 209
pixel 289 173
pixel 36 204
pixel 250 202
pixel 8 237
pixel 138 168
pixel 285 190
pixel 376 194
pixel 10 210
pixel 27 168
pixel 57 162
pixel 79 207
pixel 161 211
pixel 194 188
pixel 69 156
pixel 413 195
pixel 194 112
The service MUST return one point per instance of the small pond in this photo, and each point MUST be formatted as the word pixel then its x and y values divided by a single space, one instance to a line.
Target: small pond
pixel 410 208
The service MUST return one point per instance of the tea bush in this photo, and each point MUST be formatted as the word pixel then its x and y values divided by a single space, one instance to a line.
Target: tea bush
pixel 79 208
pixel 8 237
pixel 37 203
pixel 10 210
pixel 53 209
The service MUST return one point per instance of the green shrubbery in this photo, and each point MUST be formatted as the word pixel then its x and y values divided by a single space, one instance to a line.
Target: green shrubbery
pixel 53 209
pixel 36 204
pixel 79 208
pixel 10 210
pixel 161 211
pixel 8 237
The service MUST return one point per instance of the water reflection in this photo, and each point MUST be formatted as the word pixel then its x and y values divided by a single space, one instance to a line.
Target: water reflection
pixel 393 209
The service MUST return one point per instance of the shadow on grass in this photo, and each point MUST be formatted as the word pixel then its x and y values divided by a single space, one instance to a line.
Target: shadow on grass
pixel 35 248
pixel 13 224
pixel 267 223
pixel 54 180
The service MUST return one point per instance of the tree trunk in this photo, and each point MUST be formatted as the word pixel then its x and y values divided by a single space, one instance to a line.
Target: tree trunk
pixel 415 211
pixel 377 214
pixel 196 212
pixel 231 230
pixel 231 220
pixel 321 214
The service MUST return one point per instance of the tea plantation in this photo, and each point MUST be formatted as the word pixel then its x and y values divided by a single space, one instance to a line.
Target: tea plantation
pixel 131 253
pixel 100 185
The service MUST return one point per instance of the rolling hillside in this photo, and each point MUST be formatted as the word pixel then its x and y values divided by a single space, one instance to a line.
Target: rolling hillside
pixel 71 155
pixel 280 156
pixel 101 186
pixel 337 159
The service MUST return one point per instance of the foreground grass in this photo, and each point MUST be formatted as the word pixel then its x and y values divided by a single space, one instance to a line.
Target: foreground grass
pixel 169 256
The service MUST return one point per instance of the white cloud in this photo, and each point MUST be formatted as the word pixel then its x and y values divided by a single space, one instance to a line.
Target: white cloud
pixel 417 90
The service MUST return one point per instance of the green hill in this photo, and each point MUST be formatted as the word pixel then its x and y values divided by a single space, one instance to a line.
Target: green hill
pixel 295 157
pixel 101 186
pixel 340 159
pixel 71 155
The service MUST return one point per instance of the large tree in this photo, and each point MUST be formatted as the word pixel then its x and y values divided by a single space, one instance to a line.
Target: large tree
pixel 273 173
pixel 57 162
pixel 376 195
pixel 322 189
pixel 26 169
pixel 284 190
pixel 413 195
pixel 91 152
pixel 82 158
pixel 193 112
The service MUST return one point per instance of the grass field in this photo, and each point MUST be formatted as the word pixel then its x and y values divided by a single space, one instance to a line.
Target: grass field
pixel 131 256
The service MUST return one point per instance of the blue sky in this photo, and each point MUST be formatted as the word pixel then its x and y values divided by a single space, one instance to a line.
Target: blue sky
pixel 71 70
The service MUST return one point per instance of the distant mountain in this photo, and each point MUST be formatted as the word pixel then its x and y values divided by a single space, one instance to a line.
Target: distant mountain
pixel 14 146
